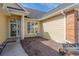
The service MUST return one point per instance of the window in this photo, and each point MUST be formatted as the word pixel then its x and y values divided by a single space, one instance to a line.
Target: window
pixel 28 27
pixel 32 27
pixel 36 30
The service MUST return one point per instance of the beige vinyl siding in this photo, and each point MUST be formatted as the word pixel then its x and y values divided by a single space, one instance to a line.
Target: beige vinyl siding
pixel 3 27
pixel 53 28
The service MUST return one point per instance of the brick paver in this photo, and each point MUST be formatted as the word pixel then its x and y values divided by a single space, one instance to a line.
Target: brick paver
pixel 38 46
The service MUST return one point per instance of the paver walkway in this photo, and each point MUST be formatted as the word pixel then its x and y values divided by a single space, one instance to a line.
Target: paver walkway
pixel 38 46
pixel 14 49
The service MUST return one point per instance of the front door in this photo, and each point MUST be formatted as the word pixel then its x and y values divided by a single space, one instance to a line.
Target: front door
pixel 14 29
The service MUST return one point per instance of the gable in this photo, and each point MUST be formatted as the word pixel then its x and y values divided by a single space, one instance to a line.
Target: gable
pixel 13 5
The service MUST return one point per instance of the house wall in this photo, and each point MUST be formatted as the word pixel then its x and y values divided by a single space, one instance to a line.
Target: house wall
pixel 3 27
pixel 26 34
pixel 72 26
pixel 53 28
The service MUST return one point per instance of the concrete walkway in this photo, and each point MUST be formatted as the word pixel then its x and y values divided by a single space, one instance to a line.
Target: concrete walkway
pixel 13 49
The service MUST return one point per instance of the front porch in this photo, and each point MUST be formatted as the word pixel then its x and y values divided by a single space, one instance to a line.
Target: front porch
pixel 13 49
pixel 14 26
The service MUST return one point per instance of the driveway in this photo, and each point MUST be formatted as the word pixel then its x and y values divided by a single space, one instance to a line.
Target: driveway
pixel 14 49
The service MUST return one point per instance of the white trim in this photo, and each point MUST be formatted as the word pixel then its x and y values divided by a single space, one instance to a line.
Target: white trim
pixel 16 29
pixel 22 27
pixel 10 30
pixel 78 27
pixel 64 25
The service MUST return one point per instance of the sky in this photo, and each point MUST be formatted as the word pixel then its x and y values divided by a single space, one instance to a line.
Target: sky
pixel 41 6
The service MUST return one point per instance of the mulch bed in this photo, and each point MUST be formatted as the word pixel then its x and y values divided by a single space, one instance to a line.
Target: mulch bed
pixel 38 46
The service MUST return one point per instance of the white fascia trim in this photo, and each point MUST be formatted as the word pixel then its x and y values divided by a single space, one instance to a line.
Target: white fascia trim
pixel 4 6
pixel 58 12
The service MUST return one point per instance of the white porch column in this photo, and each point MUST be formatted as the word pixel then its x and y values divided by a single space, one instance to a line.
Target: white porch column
pixel 22 27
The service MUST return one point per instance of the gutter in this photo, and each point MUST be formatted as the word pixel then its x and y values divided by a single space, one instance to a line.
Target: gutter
pixel 63 13
pixel 57 12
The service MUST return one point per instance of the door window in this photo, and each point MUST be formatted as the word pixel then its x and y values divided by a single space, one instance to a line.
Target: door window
pixel 13 29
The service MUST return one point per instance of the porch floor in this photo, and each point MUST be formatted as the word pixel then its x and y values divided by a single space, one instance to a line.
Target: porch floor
pixel 13 49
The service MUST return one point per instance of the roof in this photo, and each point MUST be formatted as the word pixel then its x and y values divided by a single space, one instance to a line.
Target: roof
pixel 61 6
pixel 35 14
pixel 40 15
pixel 54 11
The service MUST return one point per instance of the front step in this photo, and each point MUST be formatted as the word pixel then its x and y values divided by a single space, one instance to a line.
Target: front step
pixel 2 46
pixel 12 40
pixel 9 40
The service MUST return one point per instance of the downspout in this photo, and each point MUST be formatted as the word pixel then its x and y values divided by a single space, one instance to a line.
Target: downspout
pixel 65 35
